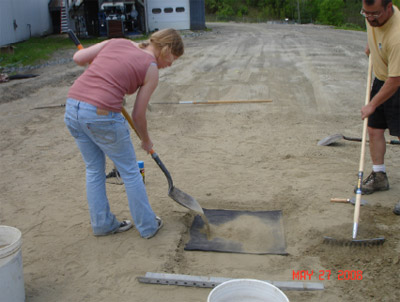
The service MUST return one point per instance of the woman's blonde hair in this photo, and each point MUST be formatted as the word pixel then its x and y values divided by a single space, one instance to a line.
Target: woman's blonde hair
pixel 166 40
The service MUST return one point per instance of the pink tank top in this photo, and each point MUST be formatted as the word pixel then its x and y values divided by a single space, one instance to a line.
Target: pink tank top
pixel 118 69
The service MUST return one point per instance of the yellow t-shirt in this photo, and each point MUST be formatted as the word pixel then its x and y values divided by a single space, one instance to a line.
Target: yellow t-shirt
pixel 384 45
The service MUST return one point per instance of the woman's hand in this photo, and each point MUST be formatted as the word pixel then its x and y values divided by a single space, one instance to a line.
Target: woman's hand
pixel 147 145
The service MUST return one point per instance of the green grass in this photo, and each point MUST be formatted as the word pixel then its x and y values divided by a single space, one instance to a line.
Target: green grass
pixel 350 26
pixel 37 50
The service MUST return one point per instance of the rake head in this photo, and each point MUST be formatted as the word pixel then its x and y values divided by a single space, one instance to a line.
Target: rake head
pixel 355 242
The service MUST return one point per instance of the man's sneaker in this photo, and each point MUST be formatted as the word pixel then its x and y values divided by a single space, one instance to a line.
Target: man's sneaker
pixel 160 225
pixel 124 226
pixel 376 181
pixel 396 209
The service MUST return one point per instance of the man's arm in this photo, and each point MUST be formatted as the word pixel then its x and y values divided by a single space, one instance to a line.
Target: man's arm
pixel 391 85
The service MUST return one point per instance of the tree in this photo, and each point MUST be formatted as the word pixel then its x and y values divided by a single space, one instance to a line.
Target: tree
pixel 331 12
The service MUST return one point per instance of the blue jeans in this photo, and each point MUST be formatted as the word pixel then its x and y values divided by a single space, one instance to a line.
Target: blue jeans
pixel 98 136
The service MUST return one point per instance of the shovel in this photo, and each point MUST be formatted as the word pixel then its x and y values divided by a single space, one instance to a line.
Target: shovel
pixel 179 196
pixel 335 137
pixel 347 200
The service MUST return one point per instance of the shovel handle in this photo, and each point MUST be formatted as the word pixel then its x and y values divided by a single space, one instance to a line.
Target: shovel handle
pixel 357 139
pixel 354 139
pixel 344 200
pixel 152 152
pixel 129 119
pixel 74 38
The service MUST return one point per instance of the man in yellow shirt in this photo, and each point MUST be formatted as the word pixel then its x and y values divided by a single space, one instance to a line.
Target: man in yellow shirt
pixel 383 110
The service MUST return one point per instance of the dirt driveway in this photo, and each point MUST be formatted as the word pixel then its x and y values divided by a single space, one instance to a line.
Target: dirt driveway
pixel 238 156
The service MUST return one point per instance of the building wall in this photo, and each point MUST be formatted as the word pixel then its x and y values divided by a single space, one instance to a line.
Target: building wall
pixel 21 19
pixel 197 14
pixel 168 14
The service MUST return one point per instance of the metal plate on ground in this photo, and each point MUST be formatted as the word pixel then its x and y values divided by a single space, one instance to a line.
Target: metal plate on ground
pixel 211 282
pixel 247 232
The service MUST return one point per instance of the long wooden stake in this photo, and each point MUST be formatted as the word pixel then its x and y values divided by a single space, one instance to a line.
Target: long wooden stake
pixel 217 102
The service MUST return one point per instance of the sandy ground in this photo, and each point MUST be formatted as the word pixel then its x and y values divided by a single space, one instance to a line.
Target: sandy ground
pixel 256 157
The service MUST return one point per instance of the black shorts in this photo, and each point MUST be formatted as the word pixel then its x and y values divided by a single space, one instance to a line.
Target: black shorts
pixel 387 115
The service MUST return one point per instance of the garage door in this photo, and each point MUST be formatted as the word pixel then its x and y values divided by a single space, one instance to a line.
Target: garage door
pixel 168 14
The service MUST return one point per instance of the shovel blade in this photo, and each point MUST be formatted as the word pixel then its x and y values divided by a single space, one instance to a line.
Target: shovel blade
pixel 330 139
pixel 185 200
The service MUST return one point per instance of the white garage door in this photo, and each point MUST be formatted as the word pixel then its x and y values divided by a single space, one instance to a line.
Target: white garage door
pixel 168 14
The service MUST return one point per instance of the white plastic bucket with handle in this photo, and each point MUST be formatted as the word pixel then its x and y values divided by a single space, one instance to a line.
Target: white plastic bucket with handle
pixel 246 290
pixel 11 271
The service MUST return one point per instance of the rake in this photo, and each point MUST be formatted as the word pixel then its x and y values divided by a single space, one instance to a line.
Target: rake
pixel 354 241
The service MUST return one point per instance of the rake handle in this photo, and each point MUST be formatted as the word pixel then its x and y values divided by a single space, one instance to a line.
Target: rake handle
pixel 363 144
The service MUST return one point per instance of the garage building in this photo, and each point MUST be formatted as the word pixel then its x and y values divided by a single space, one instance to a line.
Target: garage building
pixel 122 18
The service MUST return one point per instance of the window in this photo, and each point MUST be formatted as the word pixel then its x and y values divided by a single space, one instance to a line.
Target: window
pixel 168 10
pixel 156 10
pixel 180 9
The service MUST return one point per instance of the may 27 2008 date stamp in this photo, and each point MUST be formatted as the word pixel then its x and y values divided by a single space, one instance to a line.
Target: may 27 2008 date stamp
pixel 328 275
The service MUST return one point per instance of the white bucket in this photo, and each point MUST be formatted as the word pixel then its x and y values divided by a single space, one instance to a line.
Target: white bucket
pixel 11 272
pixel 246 290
